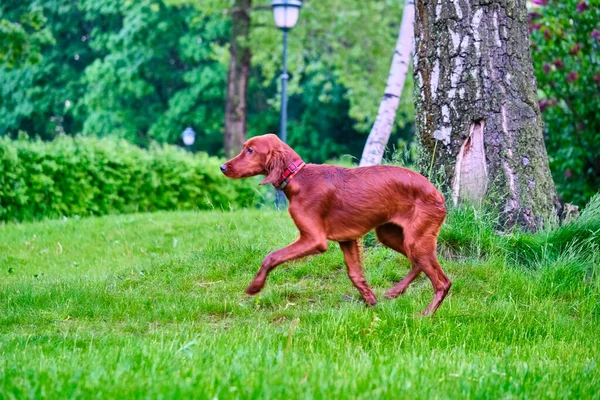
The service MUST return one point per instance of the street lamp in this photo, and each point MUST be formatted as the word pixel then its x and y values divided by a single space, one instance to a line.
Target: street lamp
pixel 286 14
pixel 189 137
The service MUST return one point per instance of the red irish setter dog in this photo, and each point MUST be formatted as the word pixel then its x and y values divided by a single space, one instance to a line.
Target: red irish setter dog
pixel 342 205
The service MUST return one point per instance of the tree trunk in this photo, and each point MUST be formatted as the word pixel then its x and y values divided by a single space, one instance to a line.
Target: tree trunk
pixel 382 128
pixel 237 78
pixel 477 115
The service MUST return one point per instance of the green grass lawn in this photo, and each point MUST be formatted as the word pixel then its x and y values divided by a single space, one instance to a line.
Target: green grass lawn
pixel 153 306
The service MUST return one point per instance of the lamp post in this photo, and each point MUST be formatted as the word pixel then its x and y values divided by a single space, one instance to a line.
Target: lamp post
pixel 286 14
pixel 189 137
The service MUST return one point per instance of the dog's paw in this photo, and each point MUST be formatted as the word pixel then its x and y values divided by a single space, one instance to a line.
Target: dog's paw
pixel 371 303
pixel 393 293
pixel 254 288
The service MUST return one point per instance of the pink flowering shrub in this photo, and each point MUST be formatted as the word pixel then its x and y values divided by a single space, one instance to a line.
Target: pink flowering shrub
pixel 565 36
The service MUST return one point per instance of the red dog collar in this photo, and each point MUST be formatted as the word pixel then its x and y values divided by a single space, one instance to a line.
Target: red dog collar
pixel 289 173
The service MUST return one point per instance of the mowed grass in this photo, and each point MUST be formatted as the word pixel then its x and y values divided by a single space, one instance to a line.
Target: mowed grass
pixel 153 306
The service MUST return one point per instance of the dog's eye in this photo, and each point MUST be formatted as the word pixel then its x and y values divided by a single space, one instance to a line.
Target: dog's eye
pixel 250 150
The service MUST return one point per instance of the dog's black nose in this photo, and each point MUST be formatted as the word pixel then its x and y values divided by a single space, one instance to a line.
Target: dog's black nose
pixel 223 168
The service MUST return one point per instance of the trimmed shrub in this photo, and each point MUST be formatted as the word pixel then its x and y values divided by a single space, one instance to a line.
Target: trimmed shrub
pixel 88 176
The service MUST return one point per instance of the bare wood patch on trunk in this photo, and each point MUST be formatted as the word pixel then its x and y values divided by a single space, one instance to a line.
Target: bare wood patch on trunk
pixel 471 175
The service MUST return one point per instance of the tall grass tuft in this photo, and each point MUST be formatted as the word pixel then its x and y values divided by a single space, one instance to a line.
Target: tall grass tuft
pixel 470 233
pixel 580 236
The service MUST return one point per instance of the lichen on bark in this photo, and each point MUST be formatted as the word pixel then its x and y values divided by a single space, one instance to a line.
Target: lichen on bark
pixel 472 68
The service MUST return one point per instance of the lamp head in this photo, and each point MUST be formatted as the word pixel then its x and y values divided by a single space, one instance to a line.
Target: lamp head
pixel 286 13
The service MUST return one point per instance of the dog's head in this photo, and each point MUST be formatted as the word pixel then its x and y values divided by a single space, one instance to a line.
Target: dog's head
pixel 260 155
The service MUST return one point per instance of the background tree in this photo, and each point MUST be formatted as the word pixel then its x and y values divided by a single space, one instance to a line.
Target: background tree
pixel 22 37
pixel 237 77
pixel 478 118
pixel 159 74
pixel 38 97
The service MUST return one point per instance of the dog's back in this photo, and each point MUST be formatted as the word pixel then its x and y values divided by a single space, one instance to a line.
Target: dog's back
pixel 352 201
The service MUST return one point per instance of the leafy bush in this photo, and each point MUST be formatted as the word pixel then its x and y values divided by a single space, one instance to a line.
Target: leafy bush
pixel 565 48
pixel 87 176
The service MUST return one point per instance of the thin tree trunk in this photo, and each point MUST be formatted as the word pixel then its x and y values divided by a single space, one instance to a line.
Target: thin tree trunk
pixel 477 115
pixel 382 128
pixel 237 78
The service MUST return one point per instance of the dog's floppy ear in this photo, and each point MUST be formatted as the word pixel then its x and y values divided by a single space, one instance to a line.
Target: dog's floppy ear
pixel 274 167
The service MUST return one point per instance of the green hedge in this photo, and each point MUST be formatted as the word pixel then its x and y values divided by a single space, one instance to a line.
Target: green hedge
pixel 89 176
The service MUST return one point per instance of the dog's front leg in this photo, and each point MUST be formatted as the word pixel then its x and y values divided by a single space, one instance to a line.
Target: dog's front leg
pixel 304 246
pixel 352 258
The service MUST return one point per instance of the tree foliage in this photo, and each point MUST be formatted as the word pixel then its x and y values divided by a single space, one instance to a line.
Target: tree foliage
pixel 22 37
pixel 144 70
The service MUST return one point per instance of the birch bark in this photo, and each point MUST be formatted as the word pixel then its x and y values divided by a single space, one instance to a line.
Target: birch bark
pixel 382 128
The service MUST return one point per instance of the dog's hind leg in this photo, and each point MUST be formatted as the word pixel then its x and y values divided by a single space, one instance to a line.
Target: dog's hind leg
pixel 420 243
pixel 392 236
pixel 352 258
pixel 439 280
